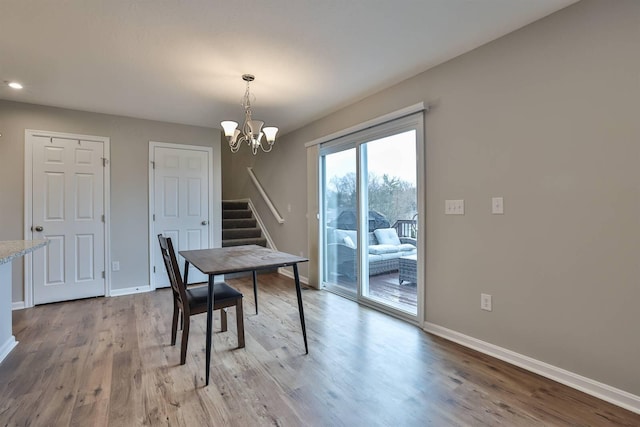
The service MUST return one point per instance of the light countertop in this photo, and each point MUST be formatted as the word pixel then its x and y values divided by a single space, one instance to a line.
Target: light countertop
pixel 10 249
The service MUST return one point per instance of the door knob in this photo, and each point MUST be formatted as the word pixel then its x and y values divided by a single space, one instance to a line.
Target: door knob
pixel 204 222
pixel 38 228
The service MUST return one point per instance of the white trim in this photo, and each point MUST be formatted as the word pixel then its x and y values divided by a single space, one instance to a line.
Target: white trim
pixel 17 305
pixel 369 123
pixel 602 391
pixel 28 208
pixel 421 189
pixel 107 216
pixel 6 348
pixel 215 193
pixel 264 195
pixel 131 291
pixel 289 274
pixel 28 215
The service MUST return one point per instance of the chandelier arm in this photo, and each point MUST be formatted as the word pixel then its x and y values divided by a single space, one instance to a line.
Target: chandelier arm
pixel 234 147
pixel 266 151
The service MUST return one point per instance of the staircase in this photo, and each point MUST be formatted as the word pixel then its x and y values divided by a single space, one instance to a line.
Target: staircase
pixel 239 227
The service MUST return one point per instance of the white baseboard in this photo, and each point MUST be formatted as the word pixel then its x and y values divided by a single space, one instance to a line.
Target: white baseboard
pixel 130 291
pixel 19 305
pixel 7 346
pixel 594 388
pixel 282 270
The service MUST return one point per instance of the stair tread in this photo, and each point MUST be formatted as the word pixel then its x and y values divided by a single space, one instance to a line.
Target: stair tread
pixel 239 223
pixel 237 213
pixel 234 205
pixel 249 241
pixel 241 233
pixel 241 230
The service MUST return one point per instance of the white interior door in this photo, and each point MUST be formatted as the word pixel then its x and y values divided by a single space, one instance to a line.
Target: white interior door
pixel 180 207
pixel 68 210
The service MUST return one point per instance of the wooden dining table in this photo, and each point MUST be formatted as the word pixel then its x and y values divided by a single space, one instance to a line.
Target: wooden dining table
pixel 236 259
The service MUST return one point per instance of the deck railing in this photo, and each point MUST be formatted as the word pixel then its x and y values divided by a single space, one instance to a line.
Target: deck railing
pixel 405 227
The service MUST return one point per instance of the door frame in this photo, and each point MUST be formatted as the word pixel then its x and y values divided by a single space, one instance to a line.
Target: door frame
pixel 413 117
pixel 214 193
pixel 28 205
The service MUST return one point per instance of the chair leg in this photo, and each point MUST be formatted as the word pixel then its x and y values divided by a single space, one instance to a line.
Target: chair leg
pixel 185 339
pixel 240 323
pixel 223 320
pixel 174 323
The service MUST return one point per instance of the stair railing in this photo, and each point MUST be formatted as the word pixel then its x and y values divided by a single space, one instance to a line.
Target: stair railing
pixel 264 195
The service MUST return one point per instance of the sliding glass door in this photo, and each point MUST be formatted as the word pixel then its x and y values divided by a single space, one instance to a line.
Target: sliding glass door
pixel 370 214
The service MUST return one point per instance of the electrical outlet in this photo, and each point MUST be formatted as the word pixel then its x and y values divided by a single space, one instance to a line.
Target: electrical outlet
pixel 115 266
pixel 485 302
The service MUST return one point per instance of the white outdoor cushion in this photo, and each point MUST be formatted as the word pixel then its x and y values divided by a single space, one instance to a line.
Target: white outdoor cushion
pixel 406 247
pixel 349 242
pixel 341 234
pixel 383 249
pixel 387 236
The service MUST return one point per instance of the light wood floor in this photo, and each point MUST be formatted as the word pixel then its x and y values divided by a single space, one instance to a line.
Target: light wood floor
pixel 107 361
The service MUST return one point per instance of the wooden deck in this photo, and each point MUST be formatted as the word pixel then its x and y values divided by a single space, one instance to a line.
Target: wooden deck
pixel 386 289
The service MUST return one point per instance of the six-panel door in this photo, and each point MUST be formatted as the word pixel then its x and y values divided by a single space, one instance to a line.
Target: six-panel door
pixel 68 208
pixel 181 205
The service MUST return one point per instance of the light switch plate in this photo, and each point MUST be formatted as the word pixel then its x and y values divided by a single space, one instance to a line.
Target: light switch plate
pixel 454 207
pixel 485 302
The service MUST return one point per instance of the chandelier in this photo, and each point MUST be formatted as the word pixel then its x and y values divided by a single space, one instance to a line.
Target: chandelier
pixel 251 131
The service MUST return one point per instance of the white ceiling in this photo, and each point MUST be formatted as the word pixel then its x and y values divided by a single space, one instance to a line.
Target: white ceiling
pixel 181 61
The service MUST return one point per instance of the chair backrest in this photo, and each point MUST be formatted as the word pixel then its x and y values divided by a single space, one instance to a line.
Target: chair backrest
pixel 171 265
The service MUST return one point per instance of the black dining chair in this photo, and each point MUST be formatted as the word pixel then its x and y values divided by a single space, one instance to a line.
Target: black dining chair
pixel 193 300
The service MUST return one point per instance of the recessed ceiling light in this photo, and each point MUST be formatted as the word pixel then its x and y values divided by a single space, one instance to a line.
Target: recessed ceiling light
pixel 15 85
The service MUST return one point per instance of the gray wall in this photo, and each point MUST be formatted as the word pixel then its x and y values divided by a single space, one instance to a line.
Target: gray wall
pixel 129 141
pixel 549 118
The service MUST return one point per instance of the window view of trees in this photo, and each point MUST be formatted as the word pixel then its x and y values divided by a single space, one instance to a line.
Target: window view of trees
pixel 391 196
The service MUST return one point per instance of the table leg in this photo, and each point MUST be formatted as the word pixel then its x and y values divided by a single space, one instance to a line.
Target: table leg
pixel 209 322
pixel 300 309
pixel 255 289
pixel 186 277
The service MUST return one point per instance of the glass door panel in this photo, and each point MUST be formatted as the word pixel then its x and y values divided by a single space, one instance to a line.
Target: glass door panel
pixel 340 239
pixel 389 177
